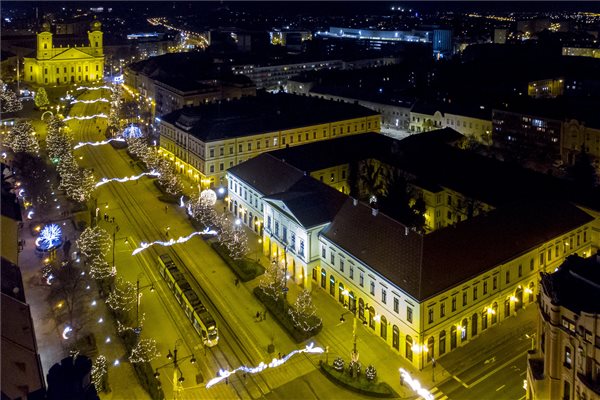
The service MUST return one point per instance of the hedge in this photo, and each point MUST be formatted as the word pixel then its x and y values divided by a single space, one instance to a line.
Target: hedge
pixel 245 268
pixel 280 313
pixel 360 385
pixel 165 197
pixel 143 370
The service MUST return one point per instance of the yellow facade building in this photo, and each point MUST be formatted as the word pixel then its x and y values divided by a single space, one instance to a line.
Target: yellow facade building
pixel 205 141
pixel 55 66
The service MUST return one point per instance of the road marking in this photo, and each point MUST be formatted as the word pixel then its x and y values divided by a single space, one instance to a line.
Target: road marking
pixel 489 373
pixel 456 378
pixel 500 388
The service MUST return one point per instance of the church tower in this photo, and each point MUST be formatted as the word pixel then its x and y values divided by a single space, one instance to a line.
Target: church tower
pixel 95 38
pixel 44 42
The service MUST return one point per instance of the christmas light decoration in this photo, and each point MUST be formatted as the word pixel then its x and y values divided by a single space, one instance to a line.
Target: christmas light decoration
pixel 101 115
pixel 132 131
pixel 370 373
pixel 81 144
pixel 181 202
pixel 101 100
pixel 21 138
pixel 209 196
pixel 99 373
pixel 94 242
pixel 50 237
pixel 100 269
pixel 92 87
pixel 126 179
pixel 181 239
pixel 122 297
pixel 304 313
pixel 338 364
pixel 276 362
pixel 41 98
pixel 9 101
pixel 144 351
pixel 66 331
pixel 415 385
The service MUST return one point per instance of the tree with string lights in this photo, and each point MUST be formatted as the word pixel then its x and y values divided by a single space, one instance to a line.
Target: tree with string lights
pixel 233 238
pixel 168 179
pixel 9 101
pixel 272 282
pixel 94 242
pixel 304 313
pixel 137 146
pixel 201 209
pixel 122 297
pixel 22 138
pixel 58 140
pixel 100 269
pixel 41 98
pixel 144 351
pixel 79 184
pixel 100 374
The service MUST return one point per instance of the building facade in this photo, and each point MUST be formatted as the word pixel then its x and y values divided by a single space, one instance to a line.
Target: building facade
pixel 65 66
pixel 565 363
pixel 205 141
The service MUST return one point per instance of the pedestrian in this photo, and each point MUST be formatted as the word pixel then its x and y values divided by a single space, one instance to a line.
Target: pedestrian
pixel 279 355
pixel 257 315
pixel 401 380
pixel 166 209
pixel 112 220
pixel 237 282
pixel 105 217
pixel 167 233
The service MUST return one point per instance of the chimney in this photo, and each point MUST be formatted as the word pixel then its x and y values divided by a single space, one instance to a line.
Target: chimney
pixel 354 202
pixel 374 211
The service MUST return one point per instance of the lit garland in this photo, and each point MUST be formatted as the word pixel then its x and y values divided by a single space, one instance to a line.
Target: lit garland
pixel 90 101
pixel 121 328
pixel 415 385
pixel 127 178
pixel 21 138
pixel 181 239
pixel 132 131
pixel 144 351
pixel 94 242
pixel 276 362
pixel 304 312
pixel 101 115
pixel 78 145
pixel 92 87
pixel 100 269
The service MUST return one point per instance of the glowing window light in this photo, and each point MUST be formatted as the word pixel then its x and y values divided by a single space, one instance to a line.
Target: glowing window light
pixel 181 239
pixel 415 385
pixel 276 362
pixel 50 237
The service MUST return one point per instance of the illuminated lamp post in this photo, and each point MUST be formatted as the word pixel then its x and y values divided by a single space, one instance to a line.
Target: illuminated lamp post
pixel 138 298
pixel 178 378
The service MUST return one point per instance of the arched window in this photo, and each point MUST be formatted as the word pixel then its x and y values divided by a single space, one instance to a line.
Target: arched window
pixel 453 337
pixel 323 279
pixel 474 325
pixel 531 290
pixel 395 337
pixel 506 308
pixel 430 349
pixel 331 285
pixel 408 348
pixel 361 309
pixel 484 320
pixel 442 346
pixel 463 331
pixel 383 328
pixel 352 301
pixel 494 313
pixel 341 292
pixel 372 318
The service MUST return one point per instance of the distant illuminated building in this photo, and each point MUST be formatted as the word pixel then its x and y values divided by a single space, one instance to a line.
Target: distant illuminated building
pixel 70 65
pixel 565 362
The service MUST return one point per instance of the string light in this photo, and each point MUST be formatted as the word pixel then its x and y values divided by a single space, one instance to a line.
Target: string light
pixel 144 351
pixel 101 115
pixel 415 385
pixel 66 332
pixel 127 178
pixel 101 100
pixel 78 145
pixel 92 87
pixel 181 239
pixel 276 362
pixel 49 238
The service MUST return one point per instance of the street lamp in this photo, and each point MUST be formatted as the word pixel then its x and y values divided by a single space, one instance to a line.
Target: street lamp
pixel 138 297
pixel 258 249
pixel 354 354
pixel 177 378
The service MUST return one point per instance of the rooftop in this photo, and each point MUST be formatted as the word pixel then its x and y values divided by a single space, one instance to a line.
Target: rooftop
pixel 267 174
pixel 574 283
pixel 261 114
pixel 424 266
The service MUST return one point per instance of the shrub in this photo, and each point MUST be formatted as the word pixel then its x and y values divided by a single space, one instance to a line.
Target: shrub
pixel 370 373
pixel 338 364
pixel 359 385
pixel 278 310
pixel 245 269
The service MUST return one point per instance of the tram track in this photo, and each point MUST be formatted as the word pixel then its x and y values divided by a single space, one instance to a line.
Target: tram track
pixel 252 386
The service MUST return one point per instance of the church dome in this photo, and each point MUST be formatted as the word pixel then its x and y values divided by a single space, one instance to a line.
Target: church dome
pixel 96 25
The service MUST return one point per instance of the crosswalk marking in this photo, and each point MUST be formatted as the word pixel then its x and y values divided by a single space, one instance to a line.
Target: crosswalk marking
pixel 437 394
